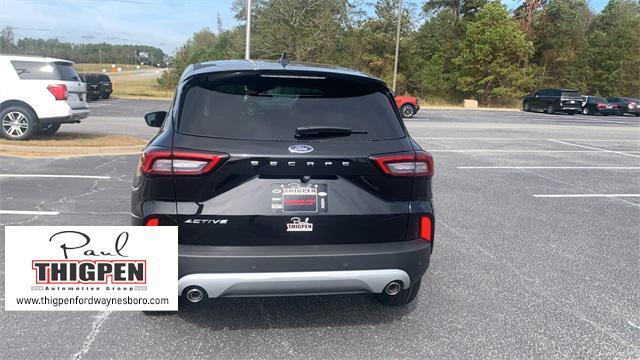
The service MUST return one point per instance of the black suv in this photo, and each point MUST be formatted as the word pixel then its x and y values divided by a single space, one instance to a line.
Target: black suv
pixel 93 86
pixel 288 181
pixel 106 87
pixel 554 100
pixel 98 86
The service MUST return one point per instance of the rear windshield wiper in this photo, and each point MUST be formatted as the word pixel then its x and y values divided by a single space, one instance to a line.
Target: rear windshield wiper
pixel 310 131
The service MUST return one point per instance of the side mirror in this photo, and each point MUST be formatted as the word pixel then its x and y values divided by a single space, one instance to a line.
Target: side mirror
pixel 155 119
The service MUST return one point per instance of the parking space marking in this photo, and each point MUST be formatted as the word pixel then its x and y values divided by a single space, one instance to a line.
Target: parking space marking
pixel 553 167
pixel 594 148
pixel 55 176
pixel 584 195
pixel 20 212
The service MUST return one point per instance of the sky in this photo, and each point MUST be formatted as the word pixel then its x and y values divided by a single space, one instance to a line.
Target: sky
pixel 166 24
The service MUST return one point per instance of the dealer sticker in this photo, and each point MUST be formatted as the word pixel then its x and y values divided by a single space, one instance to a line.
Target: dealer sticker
pixel 91 268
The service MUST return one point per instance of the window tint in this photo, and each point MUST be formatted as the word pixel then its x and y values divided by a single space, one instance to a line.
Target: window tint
pixel 271 107
pixel 37 70
pixel 103 77
pixel 66 72
pixel 573 94
pixel 596 99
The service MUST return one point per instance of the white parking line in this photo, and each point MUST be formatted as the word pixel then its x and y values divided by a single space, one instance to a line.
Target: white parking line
pixel 584 195
pixel 554 167
pixel 19 212
pixel 594 148
pixel 55 176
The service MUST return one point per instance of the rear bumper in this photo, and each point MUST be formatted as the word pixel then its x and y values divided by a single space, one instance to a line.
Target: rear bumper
pixel 74 116
pixel 301 269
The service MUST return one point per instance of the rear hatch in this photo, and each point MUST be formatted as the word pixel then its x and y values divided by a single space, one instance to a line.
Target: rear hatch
pixel 571 99
pixel 105 83
pixel 277 181
pixel 77 92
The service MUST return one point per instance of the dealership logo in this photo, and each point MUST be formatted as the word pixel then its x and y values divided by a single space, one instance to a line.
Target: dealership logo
pixel 118 269
pixel 300 149
pixel 298 224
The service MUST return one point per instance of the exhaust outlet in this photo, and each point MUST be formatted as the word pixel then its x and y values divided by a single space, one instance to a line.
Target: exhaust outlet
pixel 393 288
pixel 194 295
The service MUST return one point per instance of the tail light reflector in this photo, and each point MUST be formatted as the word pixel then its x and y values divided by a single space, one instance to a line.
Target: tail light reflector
pixel 602 106
pixel 164 162
pixel 419 163
pixel 154 221
pixel 59 91
pixel 425 228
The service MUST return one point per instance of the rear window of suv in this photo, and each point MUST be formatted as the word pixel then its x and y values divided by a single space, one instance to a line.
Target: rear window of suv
pixel 258 106
pixel 571 94
pixel 37 70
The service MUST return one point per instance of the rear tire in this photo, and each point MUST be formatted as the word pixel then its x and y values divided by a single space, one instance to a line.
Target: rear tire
pixel 402 298
pixel 526 107
pixel 105 96
pixel 48 129
pixel 586 111
pixel 407 111
pixel 18 123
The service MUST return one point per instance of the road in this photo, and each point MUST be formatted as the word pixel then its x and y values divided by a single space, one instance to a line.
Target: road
pixel 536 253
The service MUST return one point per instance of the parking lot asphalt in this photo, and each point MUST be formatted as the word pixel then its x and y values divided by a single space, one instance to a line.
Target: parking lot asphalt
pixel 537 253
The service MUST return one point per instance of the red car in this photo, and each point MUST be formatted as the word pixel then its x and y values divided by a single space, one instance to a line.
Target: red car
pixel 408 105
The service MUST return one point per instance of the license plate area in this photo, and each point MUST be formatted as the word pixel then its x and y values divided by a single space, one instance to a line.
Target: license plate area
pixel 299 198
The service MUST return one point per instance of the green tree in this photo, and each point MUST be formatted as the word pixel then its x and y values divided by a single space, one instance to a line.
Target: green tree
pixel 560 33
pixel 432 70
pixel 306 29
pixel 494 58
pixel 7 41
pixel 372 44
pixel 613 58
pixel 459 8
pixel 203 46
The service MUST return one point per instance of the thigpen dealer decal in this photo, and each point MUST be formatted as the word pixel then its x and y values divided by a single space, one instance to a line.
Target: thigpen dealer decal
pixel 298 224
pixel 91 268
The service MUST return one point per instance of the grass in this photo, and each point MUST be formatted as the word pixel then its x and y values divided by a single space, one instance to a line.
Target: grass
pixel 73 140
pixel 97 68
pixel 68 144
pixel 129 82
pixel 138 87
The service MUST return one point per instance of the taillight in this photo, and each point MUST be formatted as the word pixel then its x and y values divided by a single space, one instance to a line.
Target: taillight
pixel 615 106
pixel 164 162
pixel 601 106
pixel 419 163
pixel 59 91
pixel 154 221
pixel 425 228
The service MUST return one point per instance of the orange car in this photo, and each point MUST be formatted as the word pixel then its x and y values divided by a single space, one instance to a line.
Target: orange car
pixel 408 105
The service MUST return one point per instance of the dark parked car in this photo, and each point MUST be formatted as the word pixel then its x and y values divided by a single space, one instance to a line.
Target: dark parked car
pixel 596 105
pixel 106 87
pixel 553 100
pixel 93 86
pixel 288 181
pixel 626 105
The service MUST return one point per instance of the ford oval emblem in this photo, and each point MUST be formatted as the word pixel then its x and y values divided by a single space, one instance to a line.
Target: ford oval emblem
pixel 300 149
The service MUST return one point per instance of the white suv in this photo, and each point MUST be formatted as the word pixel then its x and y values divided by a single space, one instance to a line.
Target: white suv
pixel 37 94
